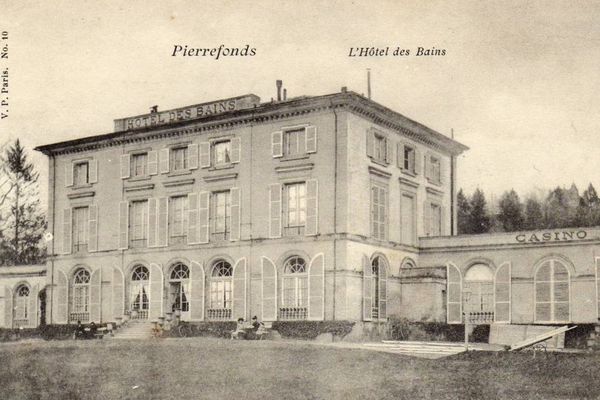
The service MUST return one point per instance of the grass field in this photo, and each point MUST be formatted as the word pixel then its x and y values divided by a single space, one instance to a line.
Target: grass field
pixel 200 368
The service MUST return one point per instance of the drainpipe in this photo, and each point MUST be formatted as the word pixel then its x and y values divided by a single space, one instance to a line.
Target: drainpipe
pixel 335 185
pixel 52 180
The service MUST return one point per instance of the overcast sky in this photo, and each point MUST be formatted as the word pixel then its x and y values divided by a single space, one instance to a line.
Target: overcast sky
pixel 519 82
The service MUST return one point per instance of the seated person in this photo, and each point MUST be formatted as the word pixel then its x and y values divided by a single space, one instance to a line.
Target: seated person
pixel 93 330
pixel 79 331
pixel 240 331
pixel 254 328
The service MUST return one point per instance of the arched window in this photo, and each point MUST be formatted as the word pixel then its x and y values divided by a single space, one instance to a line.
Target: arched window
pixel 179 287
pixel 478 290
pixel 294 289
pixel 552 292
pixel 379 287
pixel 139 302
pixel 220 291
pixel 21 306
pixel 80 296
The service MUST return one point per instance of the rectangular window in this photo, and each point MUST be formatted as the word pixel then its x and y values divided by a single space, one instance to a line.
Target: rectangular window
pixel 379 213
pixel 220 294
pixel 379 148
pixel 179 158
pixel 295 208
pixel 177 217
pixel 138 223
pixel 221 215
pixel 435 225
pixel 80 229
pixel 435 169
pixel 139 165
pixel 221 153
pixel 81 173
pixel 409 159
pixel 295 142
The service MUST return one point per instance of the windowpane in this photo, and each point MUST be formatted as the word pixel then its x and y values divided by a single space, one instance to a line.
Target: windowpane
pixel 221 214
pixel 179 158
pixel 177 215
pixel 80 228
pixel 296 204
pixel 138 222
pixel 379 212
pixel 81 173
pixel 138 164
pixel 222 153
pixel 295 142
pixel 409 158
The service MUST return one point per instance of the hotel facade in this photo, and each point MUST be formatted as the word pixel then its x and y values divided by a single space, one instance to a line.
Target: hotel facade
pixel 316 208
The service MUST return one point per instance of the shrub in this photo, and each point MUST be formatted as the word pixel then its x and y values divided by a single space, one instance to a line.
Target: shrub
pixel 220 329
pixel 312 329
pixel 403 329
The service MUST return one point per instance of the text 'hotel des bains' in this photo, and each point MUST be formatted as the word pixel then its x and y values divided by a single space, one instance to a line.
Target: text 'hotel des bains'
pixel 318 208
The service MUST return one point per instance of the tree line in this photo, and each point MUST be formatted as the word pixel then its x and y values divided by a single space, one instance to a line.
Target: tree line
pixel 559 208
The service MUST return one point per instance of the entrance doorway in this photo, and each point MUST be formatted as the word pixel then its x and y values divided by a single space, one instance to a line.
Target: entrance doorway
pixel 139 302
pixel 179 287
pixel 478 290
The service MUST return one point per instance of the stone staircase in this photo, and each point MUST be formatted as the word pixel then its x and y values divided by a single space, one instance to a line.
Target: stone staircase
pixel 418 349
pixel 134 330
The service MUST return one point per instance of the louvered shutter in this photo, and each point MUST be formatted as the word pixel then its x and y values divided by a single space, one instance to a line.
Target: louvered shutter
pixel 197 292
pixel 316 288
pixel 95 295
pixel 269 290
pixel 93 171
pixel 453 295
pixel 277 144
pixel 312 207
pixel 69 174
pixel 125 166
pixel 400 155
pixel 67 230
pixel 236 150
pixel 427 228
pixel 417 161
pixel 193 156
pixel 192 236
pixel 123 225
pixel 389 151
pixel 60 299
pixel 118 293
pixel 204 154
pixel 442 170
pixel 93 228
pixel 152 222
pixel 163 161
pixel 203 215
pixel 235 214
pixel 311 139
pixel 8 307
pixel 367 289
pixel 239 290
pixel 33 306
pixel 427 166
pixel 370 143
pixel 163 221
pixel 502 293
pixel 156 292
pixel 275 210
pixel 443 222
pixel 382 291
pixel 152 162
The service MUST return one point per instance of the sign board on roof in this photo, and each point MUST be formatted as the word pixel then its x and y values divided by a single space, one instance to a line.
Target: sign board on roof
pixel 159 118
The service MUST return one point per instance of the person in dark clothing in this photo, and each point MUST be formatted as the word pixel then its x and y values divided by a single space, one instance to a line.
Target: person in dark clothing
pixel 79 331
pixel 93 330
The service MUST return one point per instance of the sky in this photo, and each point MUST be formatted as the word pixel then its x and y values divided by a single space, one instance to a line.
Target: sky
pixel 519 82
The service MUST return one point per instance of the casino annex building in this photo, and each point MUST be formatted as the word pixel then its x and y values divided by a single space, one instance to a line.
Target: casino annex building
pixel 328 207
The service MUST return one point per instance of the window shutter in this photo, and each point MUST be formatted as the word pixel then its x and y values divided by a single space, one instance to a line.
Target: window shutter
pixel 93 228
pixel 163 161
pixel 443 223
pixel 67 230
pixel 312 207
pixel 400 155
pixel 442 170
pixel 382 292
pixel 277 144
pixel 118 294
pixel 316 288
pixel 236 150
pixel 311 139
pixel 370 143
pixel 152 222
pixel 68 174
pixel 275 210
pixel 269 290
pixel 427 166
pixel 367 289
pixel 8 307
pixel 235 214
pixel 123 225
pixel 193 218
pixel 389 151
pixel 95 296
pixel 163 221
pixel 204 155
pixel 203 214
pixel 427 228
pixel 598 287
pixel 453 295
pixel 417 161
pixel 502 293
pixel 60 299
pixel 125 166
pixel 239 290
pixel 193 156
pixel 156 292
pixel 33 306
pixel 93 172
pixel 152 162
pixel 197 292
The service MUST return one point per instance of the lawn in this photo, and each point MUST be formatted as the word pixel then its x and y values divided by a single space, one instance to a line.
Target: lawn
pixel 201 368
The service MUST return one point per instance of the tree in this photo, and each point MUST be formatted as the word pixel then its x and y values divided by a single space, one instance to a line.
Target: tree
pixel 463 210
pixel 589 208
pixel 479 221
pixel 510 215
pixel 557 210
pixel 22 224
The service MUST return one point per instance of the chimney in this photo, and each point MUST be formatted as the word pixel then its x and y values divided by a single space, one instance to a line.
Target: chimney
pixel 279 83
pixel 284 94
pixel 153 109
pixel 344 89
